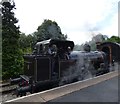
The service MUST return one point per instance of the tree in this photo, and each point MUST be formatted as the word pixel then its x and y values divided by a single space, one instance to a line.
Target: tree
pixel 27 42
pixel 49 29
pixel 11 54
pixel 114 39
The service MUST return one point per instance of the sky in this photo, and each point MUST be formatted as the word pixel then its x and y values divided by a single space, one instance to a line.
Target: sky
pixel 79 19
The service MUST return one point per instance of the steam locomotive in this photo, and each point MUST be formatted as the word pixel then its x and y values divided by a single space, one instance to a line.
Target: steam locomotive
pixel 46 68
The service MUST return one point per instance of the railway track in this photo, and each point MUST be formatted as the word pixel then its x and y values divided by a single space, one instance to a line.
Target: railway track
pixel 7 88
pixel 7 91
pixel 4 84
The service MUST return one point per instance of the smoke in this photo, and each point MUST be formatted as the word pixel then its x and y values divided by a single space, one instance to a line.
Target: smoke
pixel 98 38
pixel 115 66
pixel 93 32
pixel 83 69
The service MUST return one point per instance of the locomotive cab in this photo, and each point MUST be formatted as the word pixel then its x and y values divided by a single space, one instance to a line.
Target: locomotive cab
pixel 45 67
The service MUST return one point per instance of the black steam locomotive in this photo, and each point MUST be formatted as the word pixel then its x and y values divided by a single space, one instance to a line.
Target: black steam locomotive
pixel 54 63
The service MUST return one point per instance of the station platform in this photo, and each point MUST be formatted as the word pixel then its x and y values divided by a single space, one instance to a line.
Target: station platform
pixel 100 89
pixel 106 91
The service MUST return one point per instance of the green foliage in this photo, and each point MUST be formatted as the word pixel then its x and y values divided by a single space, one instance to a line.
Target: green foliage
pixel 114 39
pixel 26 43
pixel 12 61
pixel 49 29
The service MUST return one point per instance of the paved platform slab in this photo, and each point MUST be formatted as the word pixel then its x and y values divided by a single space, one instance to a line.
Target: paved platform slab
pixel 106 91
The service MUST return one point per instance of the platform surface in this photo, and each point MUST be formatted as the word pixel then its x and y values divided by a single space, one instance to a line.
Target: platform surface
pixel 106 91
pixel 102 88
